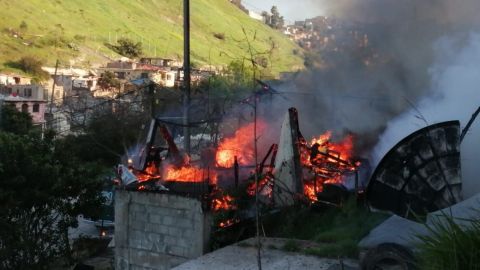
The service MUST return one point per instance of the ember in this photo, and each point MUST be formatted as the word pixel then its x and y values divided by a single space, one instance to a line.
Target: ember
pixel 224 203
pixel 264 187
pixel 228 223
pixel 240 145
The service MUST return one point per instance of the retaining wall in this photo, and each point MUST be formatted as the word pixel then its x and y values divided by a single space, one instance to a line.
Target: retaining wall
pixel 158 231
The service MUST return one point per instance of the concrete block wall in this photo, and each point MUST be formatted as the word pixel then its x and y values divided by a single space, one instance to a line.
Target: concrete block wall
pixel 158 231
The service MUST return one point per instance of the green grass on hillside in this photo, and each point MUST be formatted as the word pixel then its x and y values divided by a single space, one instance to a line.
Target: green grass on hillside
pixel 76 31
pixel 336 231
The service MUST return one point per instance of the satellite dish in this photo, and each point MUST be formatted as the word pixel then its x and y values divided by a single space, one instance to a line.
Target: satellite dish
pixel 421 174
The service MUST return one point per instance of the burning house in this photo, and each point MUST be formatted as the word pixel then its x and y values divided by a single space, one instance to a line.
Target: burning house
pixel 293 171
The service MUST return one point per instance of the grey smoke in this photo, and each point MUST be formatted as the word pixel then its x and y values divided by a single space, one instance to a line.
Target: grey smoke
pixel 455 83
pixel 347 97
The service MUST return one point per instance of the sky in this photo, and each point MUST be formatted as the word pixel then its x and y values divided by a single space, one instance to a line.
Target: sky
pixel 292 10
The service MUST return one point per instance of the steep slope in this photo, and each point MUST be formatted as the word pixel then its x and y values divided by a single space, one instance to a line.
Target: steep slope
pixel 77 31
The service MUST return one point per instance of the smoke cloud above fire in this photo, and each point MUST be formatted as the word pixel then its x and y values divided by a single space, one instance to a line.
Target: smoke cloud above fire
pixel 455 81
pixel 360 90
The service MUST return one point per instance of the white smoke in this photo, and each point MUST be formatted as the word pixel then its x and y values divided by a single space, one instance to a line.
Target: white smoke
pixel 455 95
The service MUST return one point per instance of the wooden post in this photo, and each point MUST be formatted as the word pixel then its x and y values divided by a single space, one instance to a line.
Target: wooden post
pixel 235 170
pixel 186 74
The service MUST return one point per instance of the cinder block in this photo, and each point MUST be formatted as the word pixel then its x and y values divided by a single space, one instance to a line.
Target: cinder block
pixel 184 223
pixel 175 232
pixel 177 251
pixel 140 216
pixel 154 218
pixel 156 228
pixel 168 220
pixel 188 233
pixel 137 224
pixel 170 240
pixel 137 207
pixel 182 242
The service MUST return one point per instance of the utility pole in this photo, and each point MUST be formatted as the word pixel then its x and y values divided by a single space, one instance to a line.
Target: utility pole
pixel 53 87
pixel 186 74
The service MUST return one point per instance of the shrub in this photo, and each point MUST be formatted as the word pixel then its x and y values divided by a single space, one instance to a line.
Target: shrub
pixel 32 66
pixel 128 48
pixel 108 80
pixel 450 246
pixel 220 36
pixel 80 38
pixel 23 26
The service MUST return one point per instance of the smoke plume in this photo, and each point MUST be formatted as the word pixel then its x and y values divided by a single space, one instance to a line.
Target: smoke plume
pixel 455 81
pixel 360 89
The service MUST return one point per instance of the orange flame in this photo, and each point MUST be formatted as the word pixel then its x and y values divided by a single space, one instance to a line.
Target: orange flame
pixel 224 203
pixel 263 189
pixel 240 145
pixel 190 174
pixel 327 160
pixel 309 191
pixel 151 172
pixel 229 222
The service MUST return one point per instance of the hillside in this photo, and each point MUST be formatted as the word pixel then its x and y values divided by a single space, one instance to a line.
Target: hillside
pixel 76 31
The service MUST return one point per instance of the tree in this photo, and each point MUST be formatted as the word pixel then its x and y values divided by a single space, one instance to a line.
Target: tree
pixel 108 80
pixel 14 121
pixel 108 134
pixel 43 188
pixel 30 65
pixel 128 48
pixel 23 26
pixel 276 21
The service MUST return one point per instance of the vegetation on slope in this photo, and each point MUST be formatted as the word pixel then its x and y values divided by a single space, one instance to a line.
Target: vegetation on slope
pixel 78 31
pixel 336 231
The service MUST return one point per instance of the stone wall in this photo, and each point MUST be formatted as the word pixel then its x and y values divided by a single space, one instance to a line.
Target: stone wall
pixel 158 231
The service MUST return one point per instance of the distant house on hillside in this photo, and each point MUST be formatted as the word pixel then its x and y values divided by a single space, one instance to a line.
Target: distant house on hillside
pixel 30 91
pixel 33 106
pixel 8 79
pixel 157 72
pixel 67 81
pixel 256 16
pixel 160 62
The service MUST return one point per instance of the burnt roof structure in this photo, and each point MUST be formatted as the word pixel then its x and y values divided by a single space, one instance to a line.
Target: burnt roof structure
pixel 421 174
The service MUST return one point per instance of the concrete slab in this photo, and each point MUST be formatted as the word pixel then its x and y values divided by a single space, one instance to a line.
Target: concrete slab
pixel 242 256
pixel 404 232
pixel 396 230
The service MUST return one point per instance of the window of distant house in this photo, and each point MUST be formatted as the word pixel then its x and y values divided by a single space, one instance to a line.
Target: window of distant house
pixel 89 83
pixel 169 77
pixel 27 92
pixel 25 108
pixel 36 107
pixel 121 75
pixel 144 75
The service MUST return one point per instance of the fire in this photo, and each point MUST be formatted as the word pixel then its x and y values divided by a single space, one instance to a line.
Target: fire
pixel 224 203
pixel 190 174
pixel 309 191
pixel 240 145
pixel 264 187
pixel 229 222
pixel 151 172
pixel 327 161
